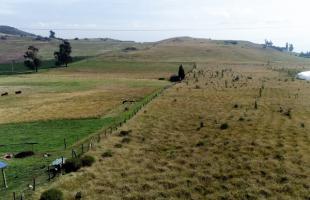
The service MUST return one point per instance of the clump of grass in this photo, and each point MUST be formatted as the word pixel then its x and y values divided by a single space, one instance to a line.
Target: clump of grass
pixel 125 140
pixel 302 125
pixel 200 144
pixel 124 133
pixel 288 113
pixel 87 161
pixel 52 194
pixel 241 119
pixel 78 195
pixel 72 165
pixel 224 126
pixel 118 145
pixel 107 154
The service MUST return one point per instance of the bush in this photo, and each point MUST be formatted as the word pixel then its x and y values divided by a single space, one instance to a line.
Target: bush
pixel 118 146
pixel 124 133
pixel 107 154
pixel 126 140
pixel 224 126
pixel 174 78
pixel 72 165
pixel 87 161
pixel 52 194
pixel 24 154
pixel 200 144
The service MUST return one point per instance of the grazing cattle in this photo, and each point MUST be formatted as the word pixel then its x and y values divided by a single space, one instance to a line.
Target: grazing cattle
pixel 18 92
pixel 5 94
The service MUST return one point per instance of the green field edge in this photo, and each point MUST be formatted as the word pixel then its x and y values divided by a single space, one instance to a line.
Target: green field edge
pixel 39 169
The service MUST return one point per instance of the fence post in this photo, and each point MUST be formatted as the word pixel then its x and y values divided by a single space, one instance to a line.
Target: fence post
pixel 82 148
pixel 14 196
pixel 49 173
pixel 34 184
pixel 72 153
pixel 65 143
pixel 4 179
pixel 99 138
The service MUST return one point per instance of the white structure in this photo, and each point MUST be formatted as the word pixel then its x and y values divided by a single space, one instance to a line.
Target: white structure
pixel 304 75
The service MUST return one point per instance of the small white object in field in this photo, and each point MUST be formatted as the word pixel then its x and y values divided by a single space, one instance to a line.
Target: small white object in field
pixel 304 75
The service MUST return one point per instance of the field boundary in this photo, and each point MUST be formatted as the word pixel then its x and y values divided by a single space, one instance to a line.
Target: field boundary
pixel 42 177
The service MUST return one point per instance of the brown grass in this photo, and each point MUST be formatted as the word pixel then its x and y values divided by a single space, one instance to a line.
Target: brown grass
pixel 61 95
pixel 265 155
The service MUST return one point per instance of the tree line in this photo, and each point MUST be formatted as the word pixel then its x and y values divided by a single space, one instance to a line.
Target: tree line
pixel 62 56
pixel 288 47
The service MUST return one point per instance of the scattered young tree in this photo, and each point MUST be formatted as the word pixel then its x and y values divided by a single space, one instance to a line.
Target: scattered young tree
pixel 52 34
pixel 287 46
pixel 291 48
pixel 181 72
pixel 31 58
pixel 63 55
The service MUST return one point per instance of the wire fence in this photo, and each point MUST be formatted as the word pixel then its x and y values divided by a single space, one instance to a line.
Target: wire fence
pixel 41 173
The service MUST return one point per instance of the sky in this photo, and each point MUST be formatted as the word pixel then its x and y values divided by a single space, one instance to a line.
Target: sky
pixel 151 20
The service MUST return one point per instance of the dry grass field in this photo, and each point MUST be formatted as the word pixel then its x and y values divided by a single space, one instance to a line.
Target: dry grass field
pixel 229 131
pixel 236 128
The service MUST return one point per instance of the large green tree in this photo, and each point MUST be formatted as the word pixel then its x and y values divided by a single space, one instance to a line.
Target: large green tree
pixel 32 60
pixel 63 56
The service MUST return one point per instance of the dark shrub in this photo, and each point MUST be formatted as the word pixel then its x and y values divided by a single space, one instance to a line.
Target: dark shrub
pixel 124 133
pixel 72 165
pixel 24 154
pixel 224 126
pixel 78 195
pixel 52 194
pixel 87 161
pixel 181 73
pixel 200 144
pixel 161 79
pixel 174 78
pixel 107 154
pixel 118 145
pixel 126 140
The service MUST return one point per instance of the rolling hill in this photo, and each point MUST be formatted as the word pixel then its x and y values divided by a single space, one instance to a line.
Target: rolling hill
pixel 8 30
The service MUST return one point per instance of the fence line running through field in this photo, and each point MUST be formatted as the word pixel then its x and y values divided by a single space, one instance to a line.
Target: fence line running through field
pixel 43 175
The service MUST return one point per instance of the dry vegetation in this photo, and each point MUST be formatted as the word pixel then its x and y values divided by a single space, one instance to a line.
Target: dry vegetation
pixel 227 132
pixel 67 96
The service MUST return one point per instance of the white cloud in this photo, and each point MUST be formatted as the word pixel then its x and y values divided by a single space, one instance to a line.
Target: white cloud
pixel 280 20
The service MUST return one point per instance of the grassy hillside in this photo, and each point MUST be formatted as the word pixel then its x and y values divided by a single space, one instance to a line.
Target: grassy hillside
pixel 13 47
pixel 206 139
pixel 71 103
pixel 203 50
pixel 7 30
pixel 177 149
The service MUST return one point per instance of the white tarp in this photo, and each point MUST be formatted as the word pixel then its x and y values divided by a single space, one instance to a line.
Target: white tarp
pixel 304 75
